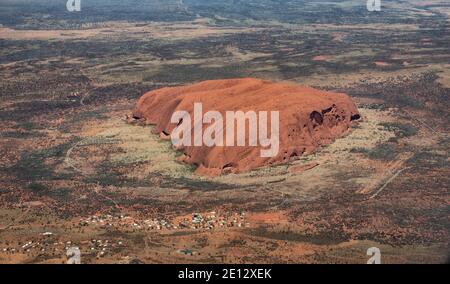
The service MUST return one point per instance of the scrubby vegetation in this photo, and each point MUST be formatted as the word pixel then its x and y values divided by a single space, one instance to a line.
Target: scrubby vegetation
pixel 401 129
pixel 384 151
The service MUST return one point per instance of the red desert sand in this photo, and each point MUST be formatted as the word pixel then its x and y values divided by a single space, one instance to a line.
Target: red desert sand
pixel 321 58
pixel 308 118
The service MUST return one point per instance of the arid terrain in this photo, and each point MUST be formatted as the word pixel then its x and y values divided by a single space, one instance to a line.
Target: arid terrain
pixel 75 173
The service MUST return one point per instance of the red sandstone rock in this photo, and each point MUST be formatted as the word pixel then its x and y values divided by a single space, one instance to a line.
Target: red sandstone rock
pixel 308 118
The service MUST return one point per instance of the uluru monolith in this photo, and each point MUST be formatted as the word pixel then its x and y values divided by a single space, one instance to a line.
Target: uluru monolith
pixel 306 119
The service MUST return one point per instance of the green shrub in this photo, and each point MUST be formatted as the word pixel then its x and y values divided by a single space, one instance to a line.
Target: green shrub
pixel 401 129
pixel 37 187
pixel 384 151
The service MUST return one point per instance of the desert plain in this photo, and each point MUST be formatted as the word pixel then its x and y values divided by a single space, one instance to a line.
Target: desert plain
pixel 75 173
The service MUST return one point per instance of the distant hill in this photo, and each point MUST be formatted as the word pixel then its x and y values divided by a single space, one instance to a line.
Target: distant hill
pixel 46 14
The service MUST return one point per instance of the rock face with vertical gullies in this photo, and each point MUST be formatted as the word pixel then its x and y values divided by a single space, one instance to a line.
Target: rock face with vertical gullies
pixel 308 118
